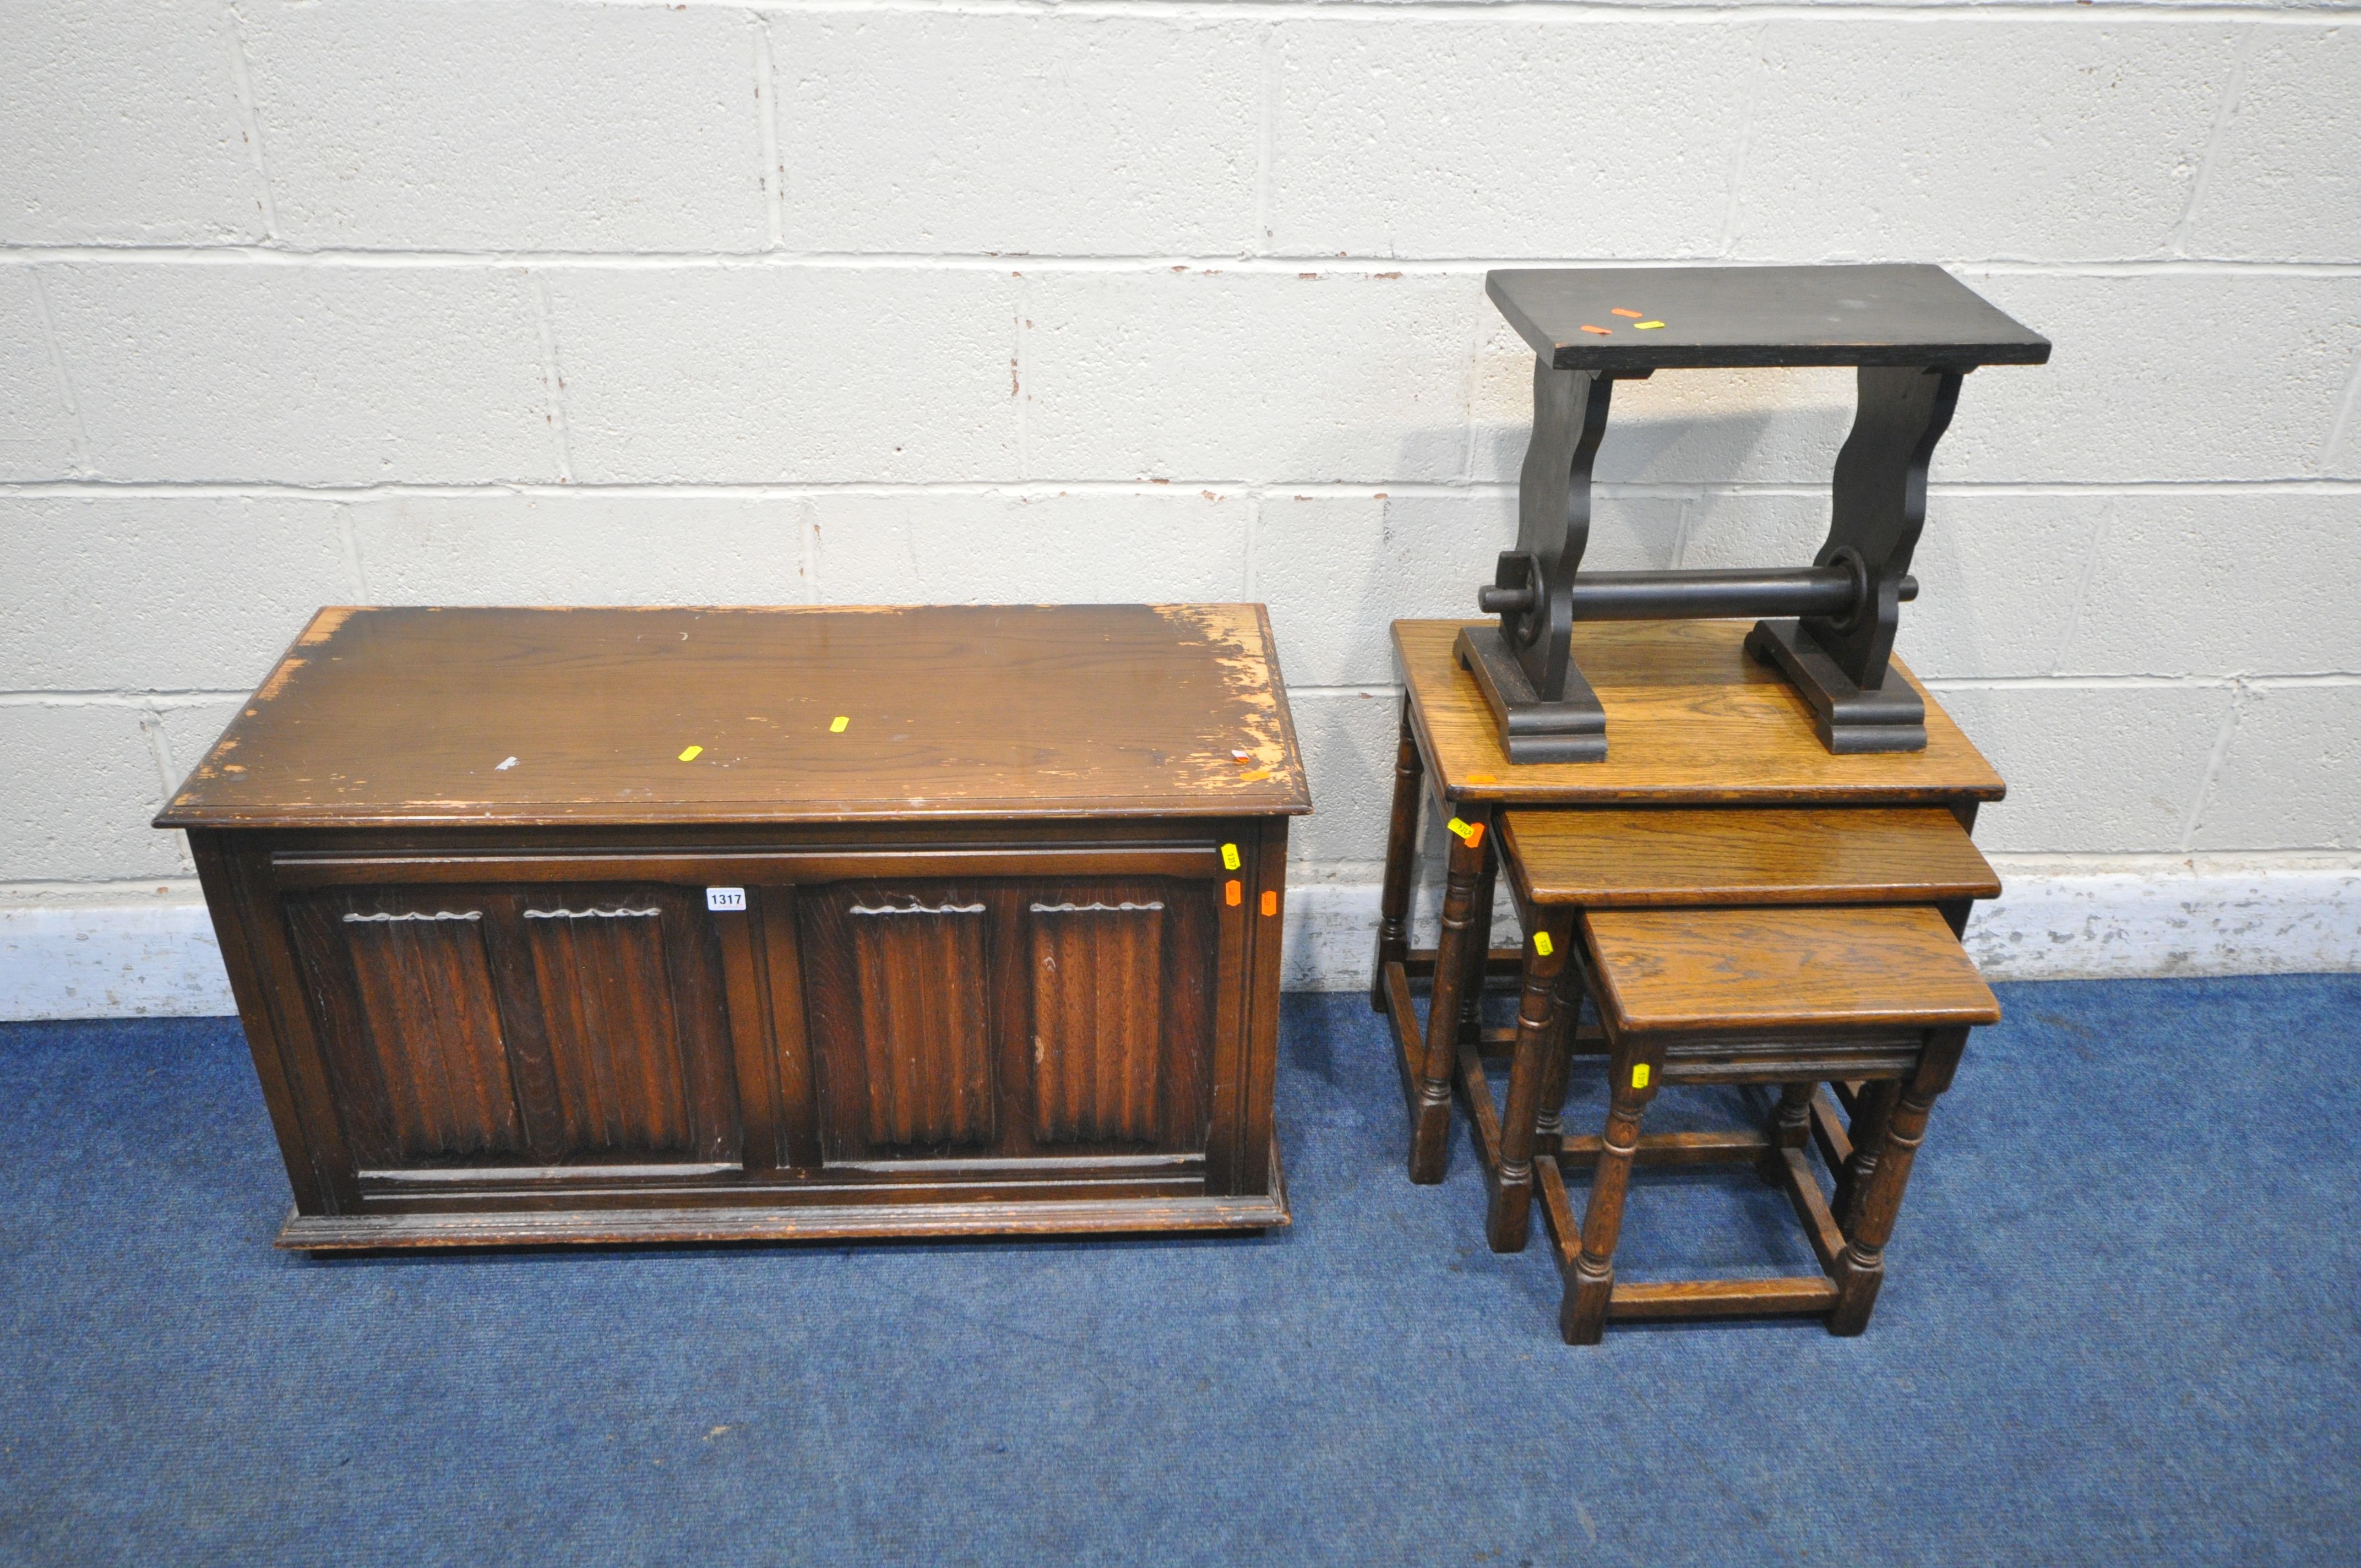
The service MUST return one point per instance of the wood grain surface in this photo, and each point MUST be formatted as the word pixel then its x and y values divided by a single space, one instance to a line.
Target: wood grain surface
pixel 1612 857
pixel 1690 720
pixel 1726 970
pixel 548 715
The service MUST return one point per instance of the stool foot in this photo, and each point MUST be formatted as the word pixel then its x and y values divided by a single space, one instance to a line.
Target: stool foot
pixel 1582 1317
pixel 1590 1282
pixel 1858 1277
pixel 1861 1267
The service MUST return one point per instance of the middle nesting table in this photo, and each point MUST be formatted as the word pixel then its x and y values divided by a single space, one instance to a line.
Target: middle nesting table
pixel 1698 724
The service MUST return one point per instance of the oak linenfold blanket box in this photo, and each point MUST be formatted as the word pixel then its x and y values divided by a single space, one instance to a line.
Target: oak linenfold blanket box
pixel 687 925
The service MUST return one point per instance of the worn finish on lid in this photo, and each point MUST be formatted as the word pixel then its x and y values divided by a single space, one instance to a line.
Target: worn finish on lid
pixel 385 717
pixel 1884 315
pixel 1694 721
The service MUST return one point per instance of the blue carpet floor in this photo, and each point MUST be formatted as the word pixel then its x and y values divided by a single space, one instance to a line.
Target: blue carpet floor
pixel 2119 1325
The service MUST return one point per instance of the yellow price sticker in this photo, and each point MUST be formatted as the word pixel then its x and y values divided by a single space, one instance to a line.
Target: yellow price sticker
pixel 1229 856
pixel 1542 943
pixel 1640 1076
pixel 690 755
pixel 836 725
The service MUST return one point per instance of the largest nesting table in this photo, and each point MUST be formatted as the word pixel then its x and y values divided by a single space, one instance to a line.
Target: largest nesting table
pixel 1698 722
pixel 685 925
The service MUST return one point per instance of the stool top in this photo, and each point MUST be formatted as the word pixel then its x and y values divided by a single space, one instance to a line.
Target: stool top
pixel 1611 857
pixel 1690 720
pixel 616 716
pixel 1884 315
pixel 1718 970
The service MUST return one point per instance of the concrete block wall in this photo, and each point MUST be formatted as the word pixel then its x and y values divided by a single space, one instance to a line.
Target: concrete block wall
pixel 403 300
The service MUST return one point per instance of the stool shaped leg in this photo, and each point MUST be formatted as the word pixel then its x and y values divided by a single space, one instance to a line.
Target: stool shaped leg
pixel 1557 1058
pixel 1508 1220
pixel 1791 1128
pixel 1582 1316
pixel 1479 948
pixel 1457 965
pixel 1401 861
pixel 1871 1108
pixel 1861 1267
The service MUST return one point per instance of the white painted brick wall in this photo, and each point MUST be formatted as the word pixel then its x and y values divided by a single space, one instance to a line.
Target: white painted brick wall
pixel 373 300
pixel 500 125
pixel 37 436
pixel 303 375
pixel 119 594
pixel 1433 138
pixel 122 124
pixel 2076 138
pixel 996 134
pixel 768 374
pixel 1308 378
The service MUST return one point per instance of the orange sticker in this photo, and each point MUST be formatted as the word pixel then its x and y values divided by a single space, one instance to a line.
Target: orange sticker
pixel 1481 778
pixel 1234 892
pixel 1269 902
pixel 1256 776
pixel 1620 311
pixel 1601 331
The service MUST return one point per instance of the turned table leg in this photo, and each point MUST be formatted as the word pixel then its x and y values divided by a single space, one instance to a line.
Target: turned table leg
pixel 1871 1108
pixel 1791 1128
pixel 1457 964
pixel 1479 947
pixel 1557 1057
pixel 1582 1316
pixel 1401 860
pixel 1861 1267
pixel 1509 1213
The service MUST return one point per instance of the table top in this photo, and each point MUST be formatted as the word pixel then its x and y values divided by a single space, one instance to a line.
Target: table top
pixel 1620 857
pixel 394 716
pixel 1880 314
pixel 1690 720
pixel 1728 970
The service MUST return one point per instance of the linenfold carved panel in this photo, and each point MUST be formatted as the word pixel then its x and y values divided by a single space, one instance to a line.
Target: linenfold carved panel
pixel 433 1045
pixel 1098 1021
pixel 606 1008
pixel 926 1031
